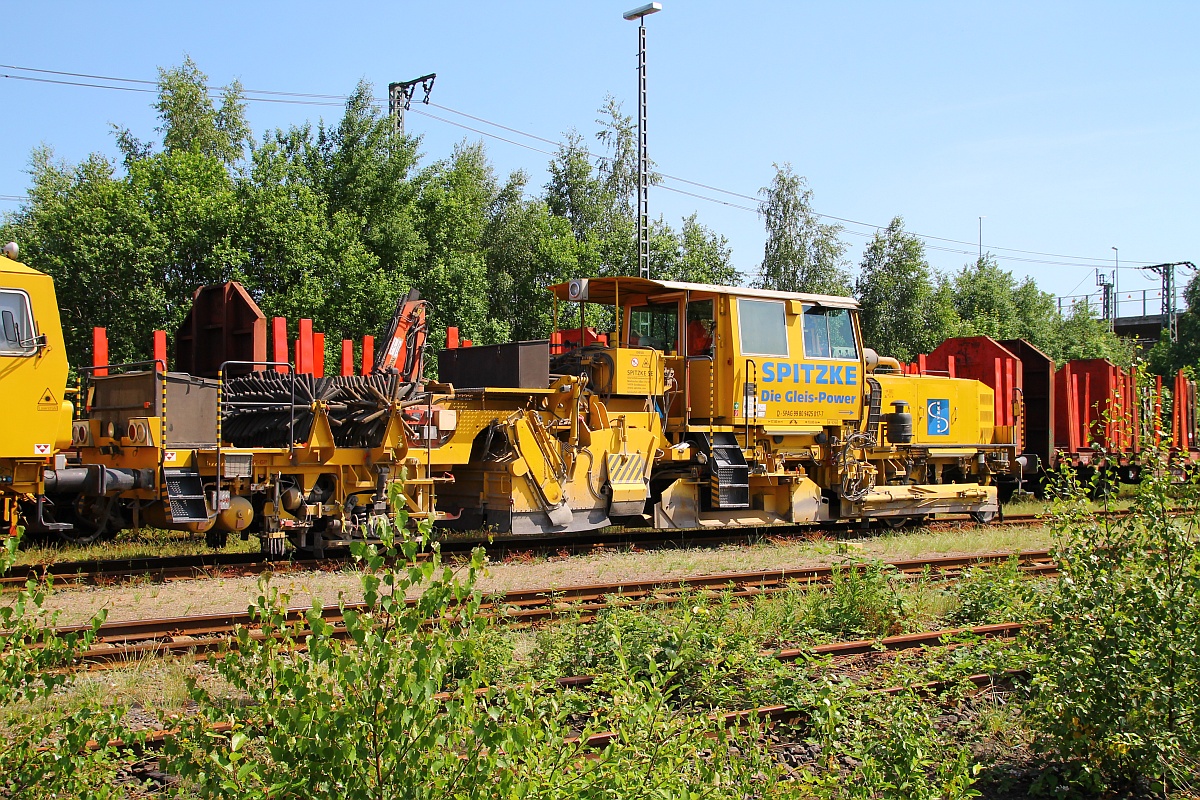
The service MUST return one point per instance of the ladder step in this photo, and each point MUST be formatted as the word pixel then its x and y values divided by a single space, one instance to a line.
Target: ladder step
pixel 729 473
pixel 185 495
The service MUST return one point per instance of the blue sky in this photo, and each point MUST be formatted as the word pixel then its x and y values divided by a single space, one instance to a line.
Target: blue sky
pixel 1071 127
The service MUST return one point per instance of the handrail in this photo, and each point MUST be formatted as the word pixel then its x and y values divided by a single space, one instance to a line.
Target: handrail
pixel 153 361
pixel 746 395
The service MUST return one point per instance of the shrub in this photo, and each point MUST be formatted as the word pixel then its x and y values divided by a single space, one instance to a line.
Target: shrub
pixel 358 715
pixel 45 738
pixel 1117 690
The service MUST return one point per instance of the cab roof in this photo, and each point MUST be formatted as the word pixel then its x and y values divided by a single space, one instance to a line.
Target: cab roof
pixel 608 291
pixel 8 265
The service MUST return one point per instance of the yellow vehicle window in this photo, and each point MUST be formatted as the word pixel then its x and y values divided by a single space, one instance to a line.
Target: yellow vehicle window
pixel 763 326
pixel 16 324
pixel 655 326
pixel 829 333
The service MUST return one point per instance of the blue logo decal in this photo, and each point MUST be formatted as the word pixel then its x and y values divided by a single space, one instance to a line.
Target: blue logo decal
pixel 938 422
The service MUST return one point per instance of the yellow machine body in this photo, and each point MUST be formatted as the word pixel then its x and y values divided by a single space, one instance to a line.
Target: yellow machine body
pixel 714 406
pixel 949 414
pixel 761 407
pixel 33 372
pixel 634 372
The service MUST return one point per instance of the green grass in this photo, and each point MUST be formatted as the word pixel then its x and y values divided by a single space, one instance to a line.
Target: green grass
pixel 145 542
pixel 1119 501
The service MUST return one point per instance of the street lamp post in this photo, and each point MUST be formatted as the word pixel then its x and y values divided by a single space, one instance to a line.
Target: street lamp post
pixel 643 210
pixel 981 238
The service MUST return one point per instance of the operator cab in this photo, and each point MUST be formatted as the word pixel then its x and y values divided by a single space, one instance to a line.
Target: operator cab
pixel 788 362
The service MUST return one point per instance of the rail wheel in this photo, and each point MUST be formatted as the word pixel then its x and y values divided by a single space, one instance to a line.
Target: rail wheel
pixel 983 517
pixel 93 519
pixel 896 523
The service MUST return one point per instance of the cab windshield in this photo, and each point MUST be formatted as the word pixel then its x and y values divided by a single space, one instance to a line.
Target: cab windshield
pixel 654 326
pixel 829 333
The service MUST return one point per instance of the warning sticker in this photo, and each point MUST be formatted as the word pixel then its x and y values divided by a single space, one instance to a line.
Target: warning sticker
pixel 169 455
pixel 47 401
pixel 41 449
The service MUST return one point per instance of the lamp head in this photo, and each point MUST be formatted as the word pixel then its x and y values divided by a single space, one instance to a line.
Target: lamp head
pixel 642 11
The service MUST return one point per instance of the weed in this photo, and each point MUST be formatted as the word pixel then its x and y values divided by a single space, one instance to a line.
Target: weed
pixel 861 600
pixel 995 594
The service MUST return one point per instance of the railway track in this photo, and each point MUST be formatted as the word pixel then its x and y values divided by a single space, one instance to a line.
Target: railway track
pixel 774 713
pixel 891 644
pixel 120 642
pixel 165 569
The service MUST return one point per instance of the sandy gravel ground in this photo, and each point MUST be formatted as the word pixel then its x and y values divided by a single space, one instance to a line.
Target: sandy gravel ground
pixel 226 595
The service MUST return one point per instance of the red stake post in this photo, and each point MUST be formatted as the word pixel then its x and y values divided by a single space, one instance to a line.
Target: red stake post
pixel 279 342
pixel 304 348
pixel 100 351
pixel 368 362
pixel 318 355
pixel 160 349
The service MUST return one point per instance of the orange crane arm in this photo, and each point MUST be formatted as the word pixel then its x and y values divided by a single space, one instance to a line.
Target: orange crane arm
pixel 404 344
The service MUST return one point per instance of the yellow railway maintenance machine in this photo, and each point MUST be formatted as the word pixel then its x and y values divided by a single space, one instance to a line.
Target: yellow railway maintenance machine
pixel 35 423
pixel 288 457
pixel 709 406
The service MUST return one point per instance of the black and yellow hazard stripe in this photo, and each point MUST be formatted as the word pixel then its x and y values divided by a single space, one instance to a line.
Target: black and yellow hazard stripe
pixel 625 469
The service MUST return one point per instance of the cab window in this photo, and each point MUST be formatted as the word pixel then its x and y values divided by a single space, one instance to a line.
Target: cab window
pixel 829 333
pixel 656 327
pixel 763 325
pixel 700 328
pixel 16 324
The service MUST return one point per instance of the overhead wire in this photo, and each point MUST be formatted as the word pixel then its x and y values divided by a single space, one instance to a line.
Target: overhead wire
pixel 330 100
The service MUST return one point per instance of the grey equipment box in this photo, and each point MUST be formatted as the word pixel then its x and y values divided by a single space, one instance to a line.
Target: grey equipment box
pixel 191 404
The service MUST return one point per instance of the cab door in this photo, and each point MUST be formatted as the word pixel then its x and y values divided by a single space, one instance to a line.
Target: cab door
pixel 33 367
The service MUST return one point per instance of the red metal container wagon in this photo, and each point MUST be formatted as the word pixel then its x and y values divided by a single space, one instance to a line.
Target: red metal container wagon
pixel 1087 415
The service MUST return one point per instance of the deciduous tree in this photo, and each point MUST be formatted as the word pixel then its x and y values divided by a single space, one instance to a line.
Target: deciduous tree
pixel 904 312
pixel 802 254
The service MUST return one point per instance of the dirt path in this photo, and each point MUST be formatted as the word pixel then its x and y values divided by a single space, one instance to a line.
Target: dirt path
pixel 225 595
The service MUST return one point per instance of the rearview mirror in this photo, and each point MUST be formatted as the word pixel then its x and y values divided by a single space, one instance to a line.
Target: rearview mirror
pixel 10 328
